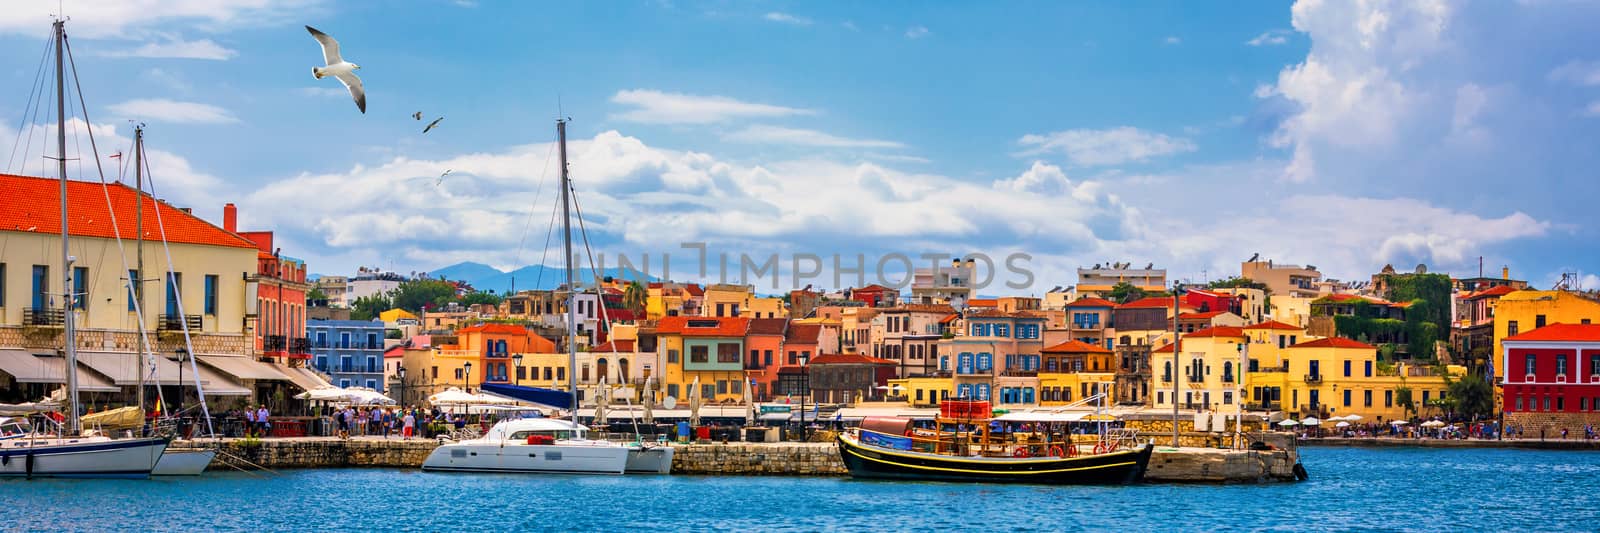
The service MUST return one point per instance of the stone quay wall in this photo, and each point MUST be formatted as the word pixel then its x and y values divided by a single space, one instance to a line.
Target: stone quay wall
pixel 315 453
pixel 751 459
pixel 1196 465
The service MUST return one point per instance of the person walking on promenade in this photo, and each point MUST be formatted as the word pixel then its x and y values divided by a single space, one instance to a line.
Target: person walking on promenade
pixel 249 422
pixel 408 425
pixel 261 420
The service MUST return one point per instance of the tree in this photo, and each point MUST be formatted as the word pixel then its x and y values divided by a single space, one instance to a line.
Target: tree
pixel 316 294
pixel 1402 398
pixel 1471 396
pixel 369 307
pixel 1124 292
pixel 634 298
pixel 1238 282
pixel 416 294
pixel 475 298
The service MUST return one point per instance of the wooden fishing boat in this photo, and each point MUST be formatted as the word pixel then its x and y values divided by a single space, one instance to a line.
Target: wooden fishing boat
pixel 889 448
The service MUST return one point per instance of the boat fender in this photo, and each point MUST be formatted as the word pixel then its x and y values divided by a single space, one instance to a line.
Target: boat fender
pixel 27 464
pixel 530 438
pixel 1300 472
pixel 1056 451
pixel 1020 453
pixel 5 460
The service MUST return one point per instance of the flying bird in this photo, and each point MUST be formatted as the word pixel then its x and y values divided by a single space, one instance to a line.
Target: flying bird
pixel 432 124
pixel 338 68
pixel 441 178
pixel 417 115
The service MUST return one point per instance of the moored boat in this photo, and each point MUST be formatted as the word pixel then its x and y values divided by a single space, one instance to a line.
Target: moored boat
pixel 889 448
pixel 532 445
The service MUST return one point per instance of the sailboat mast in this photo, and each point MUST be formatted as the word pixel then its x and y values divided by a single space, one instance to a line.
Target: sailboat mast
pixel 138 228
pixel 69 341
pixel 566 259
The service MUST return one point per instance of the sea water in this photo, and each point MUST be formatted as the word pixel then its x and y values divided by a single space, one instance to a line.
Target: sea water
pixel 1350 488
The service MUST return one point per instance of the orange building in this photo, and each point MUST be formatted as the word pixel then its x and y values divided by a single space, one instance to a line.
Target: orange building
pixel 490 348
pixel 764 345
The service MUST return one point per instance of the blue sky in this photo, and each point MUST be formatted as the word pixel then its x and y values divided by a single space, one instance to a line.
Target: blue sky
pixel 1191 135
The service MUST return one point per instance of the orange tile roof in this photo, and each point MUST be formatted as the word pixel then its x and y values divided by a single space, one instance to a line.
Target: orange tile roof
pixel 1090 301
pixel 803 333
pixel 35 203
pixel 1075 347
pixel 694 289
pixel 613 346
pixel 982 302
pixel 920 308
pixel 1335 342
pixel 1164 349
pixel 1273 325
pixel 1147 303
pixel 1560 333
pixel 495 329
pixel 1218 331
pixel 847 359
pixel 1493 291
pixel 949 318
pixel 725 326
pixel 1200 316
pixel 768 326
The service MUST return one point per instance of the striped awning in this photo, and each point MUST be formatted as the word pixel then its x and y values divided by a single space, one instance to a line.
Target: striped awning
pixel 123 367
pixel 25 367
pixel 307 380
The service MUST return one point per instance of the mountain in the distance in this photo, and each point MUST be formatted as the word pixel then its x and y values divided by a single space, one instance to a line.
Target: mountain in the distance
pixel 485 278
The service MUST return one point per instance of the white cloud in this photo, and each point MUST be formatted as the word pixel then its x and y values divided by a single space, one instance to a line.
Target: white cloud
pixel 778 16
pixel 163 110
pixel 917 32
pixel 1105 147
pixel 849 25
pixel 1269 38
pixel 1578 73
pixel 178 49
pixel 765 134
pixel 99 19
pixel 656 107
pixel 1172 39
pixel 167 79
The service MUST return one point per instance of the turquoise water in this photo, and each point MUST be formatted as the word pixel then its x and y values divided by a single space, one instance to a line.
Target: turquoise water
pixel 1350 488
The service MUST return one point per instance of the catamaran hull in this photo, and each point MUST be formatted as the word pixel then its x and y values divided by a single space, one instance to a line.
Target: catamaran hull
pixel 654 460
pixel 88 458
pixel 871 462
pixel 184 463
pixel 528 458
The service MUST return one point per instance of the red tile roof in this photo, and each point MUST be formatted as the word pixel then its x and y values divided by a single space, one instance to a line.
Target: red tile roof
pixel 803 333
pixel 1147 303
pixel 920 308
pixel 1335 342
pixel 694 289
pixel 768 326
pixel 1200 316
pixel 398 350
pixel 1273 325
pixel 1164 349
pixel 1075 347
pixel 613 346
pixel 1493 291
pixel 847 359
pixel 689 326
pixel 982 302
pixel 1218 331
pixel 36 203
pixel 949 318
pixel 875 288
pixel 1560 333
pixel 1090 301
pixel 495 329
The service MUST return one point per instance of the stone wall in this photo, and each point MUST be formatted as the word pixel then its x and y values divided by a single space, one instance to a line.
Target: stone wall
pixel 46 339
pixel 779 459
pixel 1190 465
pixel 317 453
pixel 1552 423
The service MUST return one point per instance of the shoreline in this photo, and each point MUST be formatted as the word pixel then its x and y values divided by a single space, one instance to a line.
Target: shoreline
pixel 1525 444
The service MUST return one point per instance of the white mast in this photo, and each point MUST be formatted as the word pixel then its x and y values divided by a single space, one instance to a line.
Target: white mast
pixel 69 341
pixel 138 284
pixel 572 289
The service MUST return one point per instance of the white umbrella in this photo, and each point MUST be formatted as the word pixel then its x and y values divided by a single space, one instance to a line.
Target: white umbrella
pixel 1399 422
pixel 1342 424
pixel 1353 418
pixel 1337 419
pixel 1310 421
pixel 694 402
pixel 1288 422
pixel 366 396
pixel 1433 424
pixel 324 394
pixel 455 396
pixel 749 407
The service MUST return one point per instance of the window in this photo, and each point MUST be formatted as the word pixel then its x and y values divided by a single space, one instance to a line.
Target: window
pixel 522 373
pixel 2 284
pixel 1594 365
pixel 1347 397
pixel 174 283
pixel 755 359
pixel 1424 397
pixel 135 288
pixel 1538 321
pixel 41 286
pixel 1161 397
pixel 728 352
pixel 561 373
pixel 1002 330
pixel 435 372
pixel 1511 328
pixel 708 390
pixel 322 363
pixel 80 287
pixel 1366 398
pixel 1529 360
pixel 458 373
pixel 1227 397
pixel 548 372
pixel 211 294
pixel 672 390
pixel 699 354
pixel 1346 368
pixel 344 339
pixel 672 356
pixel 372 384
pixel 1369 374
pixel 372 364
pixel 1388 399
pixel 1546 401
pixel 1561 364
pixel 1519 403
pixel 344 383
pixel 767 357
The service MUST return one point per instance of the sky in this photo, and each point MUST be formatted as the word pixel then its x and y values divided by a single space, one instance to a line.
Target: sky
pixel 1346 135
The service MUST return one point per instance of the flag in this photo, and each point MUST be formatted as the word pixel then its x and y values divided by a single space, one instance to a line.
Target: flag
pixel 158 409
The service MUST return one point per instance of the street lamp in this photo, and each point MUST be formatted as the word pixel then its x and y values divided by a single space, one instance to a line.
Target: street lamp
pixel 466 376
pixel 402 372
pixel 516 360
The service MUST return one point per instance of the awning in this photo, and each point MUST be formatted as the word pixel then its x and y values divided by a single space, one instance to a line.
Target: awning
pixel 243 367
pixel 305 379
pixel 123 367
pixel 216 385
pixel 533 395
pixel 28 368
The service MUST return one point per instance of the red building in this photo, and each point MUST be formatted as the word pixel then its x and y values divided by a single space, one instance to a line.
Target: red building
pixel 1552 378
pixel 875 295
pixel 1204 301
pixel 280 287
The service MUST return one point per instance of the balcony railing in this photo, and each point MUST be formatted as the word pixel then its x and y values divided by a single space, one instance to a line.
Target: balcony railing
pixel 1264 406
pixel 299 345
pixel 177 322
pixel 1313 378
pixel 50 316
pixel 1019 373
pixel 274 343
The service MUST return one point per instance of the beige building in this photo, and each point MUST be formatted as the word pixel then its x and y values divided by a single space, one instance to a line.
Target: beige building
pixel 1282 279
pixel 1098 280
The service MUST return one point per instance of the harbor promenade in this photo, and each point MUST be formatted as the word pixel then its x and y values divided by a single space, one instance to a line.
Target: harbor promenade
pixel 1188 465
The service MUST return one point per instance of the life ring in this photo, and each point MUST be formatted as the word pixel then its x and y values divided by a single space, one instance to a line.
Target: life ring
pixel 1021 453
pixel 1057 451
pixel 1099 448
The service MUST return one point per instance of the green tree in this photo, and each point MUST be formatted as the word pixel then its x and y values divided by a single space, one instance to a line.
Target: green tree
pixel 368 307
pixel 1238 282
pixel 1402 398
pixel 1471 396
pixel 475 298
pixel 635 297
pixel 415 294
pixel 316 294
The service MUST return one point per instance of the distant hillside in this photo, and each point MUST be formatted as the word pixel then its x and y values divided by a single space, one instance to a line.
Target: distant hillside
pixel 484 277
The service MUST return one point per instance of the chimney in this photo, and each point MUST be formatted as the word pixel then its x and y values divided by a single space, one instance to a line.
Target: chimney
pixel 230 218
pixel 1505 272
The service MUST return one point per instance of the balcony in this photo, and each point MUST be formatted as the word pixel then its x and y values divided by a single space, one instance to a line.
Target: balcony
pixel 1264 406
pixel 1019 373
pixel 1313 379
pixel 299 345
pixel 497 355
pixel 50 316
pixel 177 322
pixel 274 343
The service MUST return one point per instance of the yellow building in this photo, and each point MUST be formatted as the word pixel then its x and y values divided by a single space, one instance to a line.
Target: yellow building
pixel 764 307
pixel 707 349
pixel 726 300
pixel 923 391
pixel 1207 370
pixel 1524 311
pixel 1292 310
pixel 1269 339
pixel 1060 388
pixel 394 316
pixel 1338 377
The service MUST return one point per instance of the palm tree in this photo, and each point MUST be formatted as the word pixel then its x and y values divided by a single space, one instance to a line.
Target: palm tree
pixel 634 298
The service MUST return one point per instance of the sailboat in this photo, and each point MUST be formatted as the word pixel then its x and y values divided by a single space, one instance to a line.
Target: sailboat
pixel 67 452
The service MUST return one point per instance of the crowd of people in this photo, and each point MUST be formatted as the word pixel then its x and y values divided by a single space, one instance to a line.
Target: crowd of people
pixel 353 421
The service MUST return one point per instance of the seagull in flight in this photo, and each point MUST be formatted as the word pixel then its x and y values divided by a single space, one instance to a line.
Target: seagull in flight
pixel 338 68
pixel 441 178
pixel 432 124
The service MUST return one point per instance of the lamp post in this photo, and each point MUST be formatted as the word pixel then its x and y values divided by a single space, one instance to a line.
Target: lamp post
pixel 466 376
pixel 516 360
pixel 402 373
